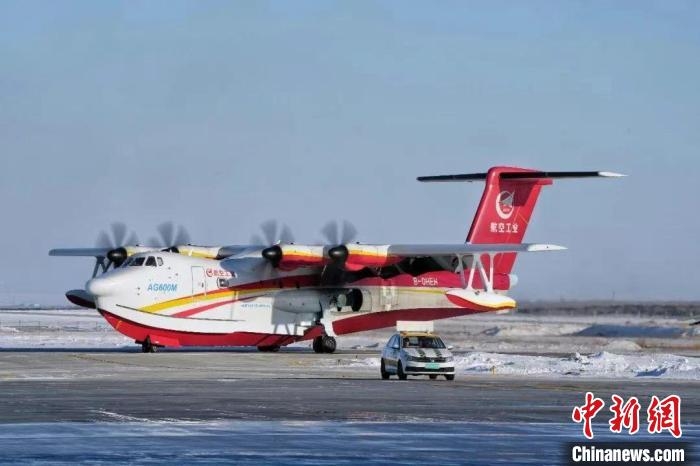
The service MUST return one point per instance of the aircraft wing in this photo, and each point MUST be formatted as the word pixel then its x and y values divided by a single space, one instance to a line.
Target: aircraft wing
pixel 357 256
pixel 80 252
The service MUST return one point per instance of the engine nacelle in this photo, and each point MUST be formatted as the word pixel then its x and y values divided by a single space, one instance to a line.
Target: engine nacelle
pixel 292 256
pixel 358 256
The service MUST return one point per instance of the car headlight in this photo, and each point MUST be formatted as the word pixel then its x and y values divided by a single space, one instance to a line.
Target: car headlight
pixel 449 359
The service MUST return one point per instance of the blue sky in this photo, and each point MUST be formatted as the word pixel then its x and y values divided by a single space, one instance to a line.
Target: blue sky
pixel 220 115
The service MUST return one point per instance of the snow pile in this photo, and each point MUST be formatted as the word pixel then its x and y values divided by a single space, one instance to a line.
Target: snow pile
pixel 603 364
pixel 529 329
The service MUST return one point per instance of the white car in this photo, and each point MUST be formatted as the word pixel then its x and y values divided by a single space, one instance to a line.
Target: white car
pixel 416 353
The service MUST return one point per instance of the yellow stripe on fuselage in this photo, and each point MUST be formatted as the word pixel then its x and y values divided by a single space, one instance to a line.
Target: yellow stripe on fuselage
pixel 243 294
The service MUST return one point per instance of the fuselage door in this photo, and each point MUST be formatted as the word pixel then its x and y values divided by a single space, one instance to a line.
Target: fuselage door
pixel 199 283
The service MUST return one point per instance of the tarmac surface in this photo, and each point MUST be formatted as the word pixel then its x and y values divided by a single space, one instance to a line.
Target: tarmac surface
pixel 77 386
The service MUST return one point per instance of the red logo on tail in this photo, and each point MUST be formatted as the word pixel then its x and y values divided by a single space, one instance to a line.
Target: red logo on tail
pixel 504 204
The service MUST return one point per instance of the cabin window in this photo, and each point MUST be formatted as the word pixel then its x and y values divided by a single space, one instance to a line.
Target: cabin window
pixel 151 261
pixel 160 261
pixel 137 262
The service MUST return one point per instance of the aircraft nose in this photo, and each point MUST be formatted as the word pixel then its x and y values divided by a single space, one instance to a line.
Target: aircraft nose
pixel 100 286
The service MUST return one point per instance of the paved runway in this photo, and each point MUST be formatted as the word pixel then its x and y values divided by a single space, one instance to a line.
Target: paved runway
pixel 59 386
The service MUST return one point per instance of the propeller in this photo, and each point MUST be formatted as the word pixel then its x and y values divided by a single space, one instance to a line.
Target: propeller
pixel 335 234
pixel 170 235
pixel 272 233
pixel 115 240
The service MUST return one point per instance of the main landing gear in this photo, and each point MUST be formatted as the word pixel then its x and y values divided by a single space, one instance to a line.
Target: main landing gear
pixel 269 349
pixel 324 344
pixel 147 346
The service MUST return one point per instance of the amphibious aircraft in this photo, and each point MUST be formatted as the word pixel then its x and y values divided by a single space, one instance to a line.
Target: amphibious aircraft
pixel 276 292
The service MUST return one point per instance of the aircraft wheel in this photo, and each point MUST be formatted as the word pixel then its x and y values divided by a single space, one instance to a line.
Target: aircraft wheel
pixel 269 349
pixel 450 376
pixel 382 369
pixel 399 371
pixel 328 344
pixel 317 345
pixel 147 346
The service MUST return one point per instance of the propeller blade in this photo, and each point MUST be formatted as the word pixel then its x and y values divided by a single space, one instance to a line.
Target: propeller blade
pixel 133 239
pixel 349 232
pixel 335 234
pixel 118 233
pixel 182 237
pixel 257 240
pixel 103 240
pixel 273 233
pixel 269 229
pixel 330 231
pixel 286 235
pixel 167 233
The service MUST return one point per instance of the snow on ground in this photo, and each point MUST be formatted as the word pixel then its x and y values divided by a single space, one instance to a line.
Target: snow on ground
pixel 555 334
pixel 510 344
pixel 49 328
pixel 598 365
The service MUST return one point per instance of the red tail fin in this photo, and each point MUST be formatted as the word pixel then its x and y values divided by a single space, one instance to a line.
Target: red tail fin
pixel 506 206
pixel 504 211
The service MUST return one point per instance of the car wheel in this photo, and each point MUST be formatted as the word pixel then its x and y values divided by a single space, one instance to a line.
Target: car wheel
pixel 382 369
pixel 450 376
pixel 432 376
pixel 399 371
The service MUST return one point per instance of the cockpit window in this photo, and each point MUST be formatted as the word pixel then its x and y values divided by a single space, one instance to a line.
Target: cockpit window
pixel 160 261
pixel 127 262
pixel 137 262
pixel 151 261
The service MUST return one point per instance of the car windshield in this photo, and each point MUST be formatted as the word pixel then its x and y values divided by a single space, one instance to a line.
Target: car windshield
pixel 422 342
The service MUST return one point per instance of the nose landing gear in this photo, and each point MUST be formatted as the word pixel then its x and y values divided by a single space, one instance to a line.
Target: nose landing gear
pixel 324 344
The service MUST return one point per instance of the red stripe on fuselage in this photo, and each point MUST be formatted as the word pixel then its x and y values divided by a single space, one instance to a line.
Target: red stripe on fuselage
pixel 345 326
pixel 159 336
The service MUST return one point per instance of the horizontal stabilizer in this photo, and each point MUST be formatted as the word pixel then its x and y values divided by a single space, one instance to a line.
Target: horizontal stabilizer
pixel 467 249
pixel 519 175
